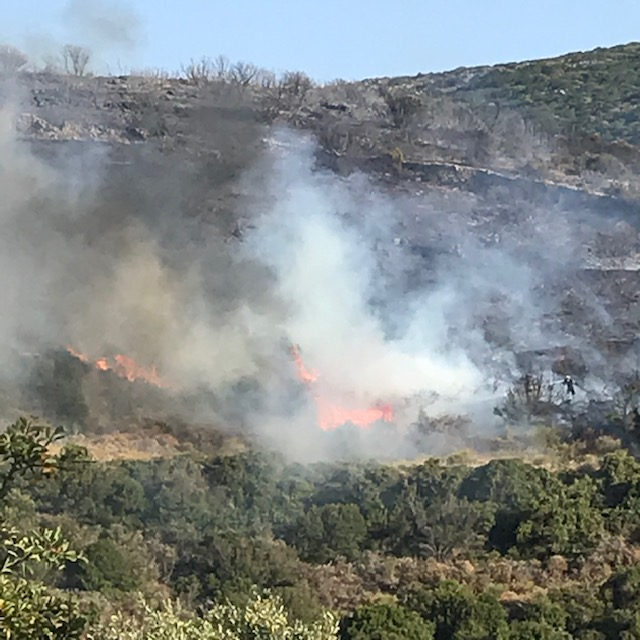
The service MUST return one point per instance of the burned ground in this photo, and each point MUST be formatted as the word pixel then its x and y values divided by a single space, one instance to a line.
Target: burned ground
pixel 545 259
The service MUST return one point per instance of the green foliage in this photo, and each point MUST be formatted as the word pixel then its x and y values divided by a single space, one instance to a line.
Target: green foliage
pixel 458 614
pixel 622 590
pixel 619 477
pixel 92 493
pixel 216 529
pixel 329 531
pixel 512 484
pixel 107 567
pixel 565 522
pixel 27 608
pixel 441 528
pixel 515 488
pixel 531 630
pixel 24 452
pixel 55 386
pixel 592 93
pixel 428 519
pixel 583 608
pixel 384 622
pixel 20 552
pixel 262 618
pixel 226 565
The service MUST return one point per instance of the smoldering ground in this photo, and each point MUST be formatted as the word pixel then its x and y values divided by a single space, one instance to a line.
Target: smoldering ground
pixel 415 299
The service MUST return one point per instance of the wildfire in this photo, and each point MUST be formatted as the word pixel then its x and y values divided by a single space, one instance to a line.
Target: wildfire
pixel 303 373
pixel 125 367
pixel 331 416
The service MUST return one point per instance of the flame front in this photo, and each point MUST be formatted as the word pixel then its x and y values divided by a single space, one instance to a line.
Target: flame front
pixel 331 416
pixel 125 367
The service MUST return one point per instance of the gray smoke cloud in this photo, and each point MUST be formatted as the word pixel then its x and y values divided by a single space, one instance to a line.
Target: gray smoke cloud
pixel 412 298
pixel 109 30
pixel 102 24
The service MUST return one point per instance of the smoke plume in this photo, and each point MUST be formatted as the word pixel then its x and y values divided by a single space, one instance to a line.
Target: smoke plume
pixel 411 299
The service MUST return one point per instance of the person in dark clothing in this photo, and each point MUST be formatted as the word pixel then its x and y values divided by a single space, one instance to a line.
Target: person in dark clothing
pixel 569 386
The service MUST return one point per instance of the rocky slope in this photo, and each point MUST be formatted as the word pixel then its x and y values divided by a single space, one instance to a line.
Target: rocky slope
pixel 505 151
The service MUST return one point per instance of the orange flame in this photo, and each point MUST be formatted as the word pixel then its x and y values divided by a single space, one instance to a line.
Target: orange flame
pixel 123 366
pixel 331 416
pixel 303 373
pixel 77 354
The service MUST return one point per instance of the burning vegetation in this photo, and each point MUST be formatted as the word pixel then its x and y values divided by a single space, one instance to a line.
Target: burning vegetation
pixel 431 275
pixel 331 416
pixel 125 367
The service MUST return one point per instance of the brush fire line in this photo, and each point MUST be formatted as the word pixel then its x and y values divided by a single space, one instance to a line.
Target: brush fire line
pixel 331 416
pixel 124 367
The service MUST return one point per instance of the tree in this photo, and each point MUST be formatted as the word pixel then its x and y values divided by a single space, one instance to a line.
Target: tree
pixel 329 531
pixel 263 617
pixel 27 608
pixel 528 398
pixel 243 73
pixel 55 385
pixel 11 59
pixel 24 452
pixel 107 567
pixel 75 59
pixel 516 488
pixel 200 71
pixel 458 614
pixel 532 630
pixel 565 522
pixel 294 84
pixel 384 622
pixel 540 619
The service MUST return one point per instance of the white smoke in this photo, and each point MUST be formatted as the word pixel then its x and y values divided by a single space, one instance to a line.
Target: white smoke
pixel 325 272
pixel 107 265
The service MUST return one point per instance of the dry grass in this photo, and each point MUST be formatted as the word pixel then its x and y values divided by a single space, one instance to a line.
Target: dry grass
pixel 126 446
pixel 141 444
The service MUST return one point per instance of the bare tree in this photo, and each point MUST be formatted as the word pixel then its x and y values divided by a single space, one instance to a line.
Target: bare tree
pixel 530 397
pixel 266 79
pixel 221 67
pixel 288 92
pixel 243 73
pixel 295 83
pixel 207 70
pixel 75 59
pixel 198 71
pixel 11 59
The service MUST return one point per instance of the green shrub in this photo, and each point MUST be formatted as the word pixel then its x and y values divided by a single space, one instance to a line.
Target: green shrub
pixel 384 622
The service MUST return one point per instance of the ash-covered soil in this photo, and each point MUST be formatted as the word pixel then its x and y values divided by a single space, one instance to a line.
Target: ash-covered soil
pixel 543 258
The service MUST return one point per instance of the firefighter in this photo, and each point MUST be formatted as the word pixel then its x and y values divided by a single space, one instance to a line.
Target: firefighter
pixel 569 386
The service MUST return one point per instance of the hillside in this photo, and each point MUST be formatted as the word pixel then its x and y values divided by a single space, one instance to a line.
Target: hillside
pixel 466 142
pixel 308 345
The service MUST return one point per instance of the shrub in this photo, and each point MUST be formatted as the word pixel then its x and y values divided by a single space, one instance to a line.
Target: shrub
pixel 384 622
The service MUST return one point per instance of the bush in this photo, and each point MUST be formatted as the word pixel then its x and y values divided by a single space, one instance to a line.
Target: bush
pixel 329 531
pixel 262 618
pixel 458 614
pixel 11 59
pixel 107 567
pixel 384 622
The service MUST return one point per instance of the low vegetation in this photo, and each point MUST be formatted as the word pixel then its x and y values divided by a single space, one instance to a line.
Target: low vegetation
pixel 248 546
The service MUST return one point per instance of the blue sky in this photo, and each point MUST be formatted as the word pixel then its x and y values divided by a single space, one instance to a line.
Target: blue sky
pixel 326 38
